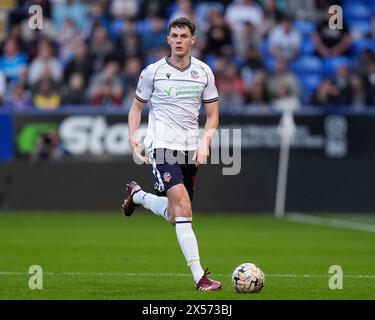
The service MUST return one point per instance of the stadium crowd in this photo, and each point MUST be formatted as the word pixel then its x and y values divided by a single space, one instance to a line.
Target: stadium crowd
pixel 92 52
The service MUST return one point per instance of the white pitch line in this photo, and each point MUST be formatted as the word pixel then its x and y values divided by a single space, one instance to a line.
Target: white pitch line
pixel 131 274
pixel 330 222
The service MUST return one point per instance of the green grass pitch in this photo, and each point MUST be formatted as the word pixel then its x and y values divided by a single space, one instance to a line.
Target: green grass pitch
pixel 108 256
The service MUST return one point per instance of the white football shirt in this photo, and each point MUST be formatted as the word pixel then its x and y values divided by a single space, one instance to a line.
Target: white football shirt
pixel 175 96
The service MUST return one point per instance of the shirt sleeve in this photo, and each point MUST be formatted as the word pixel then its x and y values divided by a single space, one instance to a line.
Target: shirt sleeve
pixel 210 93
pixel 145 85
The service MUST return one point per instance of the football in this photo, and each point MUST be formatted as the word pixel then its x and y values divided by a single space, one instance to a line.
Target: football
pixel 248 278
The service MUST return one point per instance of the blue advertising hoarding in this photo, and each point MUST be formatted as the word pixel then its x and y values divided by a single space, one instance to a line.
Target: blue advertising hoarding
pixel 6 137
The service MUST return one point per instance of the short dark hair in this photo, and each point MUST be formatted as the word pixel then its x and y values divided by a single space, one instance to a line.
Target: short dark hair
pixel 181 23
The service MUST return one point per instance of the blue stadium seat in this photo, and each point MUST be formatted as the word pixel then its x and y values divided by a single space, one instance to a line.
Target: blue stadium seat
pixel 307 47
pixel 359 27
pixel 211 60
pixel 172 7
pixel 357 10
pixel 309 83
pixel 331 64
pixel 305 27
pixel 351 2
pixel 308 65
pixel 358 46
pixel 270 64
pixel 264 49
pixel 202 8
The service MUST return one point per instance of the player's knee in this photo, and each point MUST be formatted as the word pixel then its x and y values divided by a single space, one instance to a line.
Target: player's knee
pixel 183 209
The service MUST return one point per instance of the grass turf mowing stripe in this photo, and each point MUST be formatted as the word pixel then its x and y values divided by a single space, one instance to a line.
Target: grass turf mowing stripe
pixel 329 222
pixel 103 256
pixel 143 274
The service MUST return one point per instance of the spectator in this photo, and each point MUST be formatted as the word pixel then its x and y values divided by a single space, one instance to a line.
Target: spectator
pixel 3 86
pixel 109 74
pixel 283 83
pixel 231 87
pixel 46 95
pixel 323 5
pixel 106 95
pixel 101 48
pixel 370 84
pixel 361 64
pixel 372 33
pixel 249 47
pixel 74 93
pixel 325 94
pixel 80 63
pixel 357 98
pixel 303 10
pixel 132 70
pixel 45 65
pixel 68 39
pixel 153 8
pixel 342 83
pixel 104 88
pixel 331 42
pixel 130 45
pixel 273 9
pixel 240 12
pixel 12 62
pixel 31 36
pixel 256 93
pixel 98 16
pixel 117 95
pixel 184 8
pixel 71 9
pixel 44 4
pixel 219 37
pixel 284 40
pixel 15 33
pixel 124 9
pixel 18 98
pixel 154 38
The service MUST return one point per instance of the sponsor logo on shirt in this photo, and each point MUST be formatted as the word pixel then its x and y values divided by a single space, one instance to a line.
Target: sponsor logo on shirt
pixel 186 90
pixel 168 92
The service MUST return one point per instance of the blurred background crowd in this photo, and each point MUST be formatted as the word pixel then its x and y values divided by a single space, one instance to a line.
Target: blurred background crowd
pixel 92 52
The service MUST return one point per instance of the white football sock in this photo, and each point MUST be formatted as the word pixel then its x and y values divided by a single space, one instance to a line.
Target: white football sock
pixel 157 205
pixel 188 243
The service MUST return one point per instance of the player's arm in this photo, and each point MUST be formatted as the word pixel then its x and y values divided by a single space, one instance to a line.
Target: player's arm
pixel 212 122
pixel 134 120
pixel 142 94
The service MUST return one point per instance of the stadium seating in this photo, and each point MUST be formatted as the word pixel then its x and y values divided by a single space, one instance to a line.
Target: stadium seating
pixel 331 64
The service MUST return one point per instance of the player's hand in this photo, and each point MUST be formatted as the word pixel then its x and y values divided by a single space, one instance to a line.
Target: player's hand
pixel 135 147
pixel 201 154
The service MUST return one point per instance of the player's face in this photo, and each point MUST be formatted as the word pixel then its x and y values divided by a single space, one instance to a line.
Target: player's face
pixel 180 40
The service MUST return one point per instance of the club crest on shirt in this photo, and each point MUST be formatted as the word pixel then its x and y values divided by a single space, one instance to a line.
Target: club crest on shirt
pixel 167 177
pixel 194 74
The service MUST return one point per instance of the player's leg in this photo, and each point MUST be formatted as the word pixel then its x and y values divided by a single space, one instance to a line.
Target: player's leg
pixel 136 196
pixel 180 214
